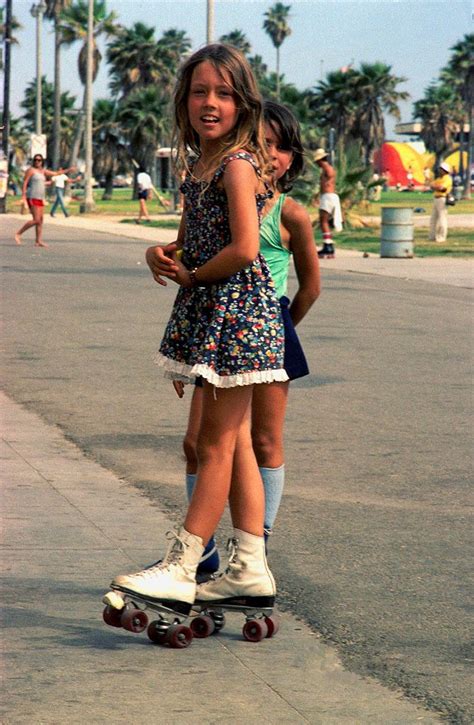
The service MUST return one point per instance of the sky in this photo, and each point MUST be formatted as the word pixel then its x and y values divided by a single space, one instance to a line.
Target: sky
pixel 414 37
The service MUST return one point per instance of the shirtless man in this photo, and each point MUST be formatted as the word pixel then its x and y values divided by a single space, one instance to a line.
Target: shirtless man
pixel 329 204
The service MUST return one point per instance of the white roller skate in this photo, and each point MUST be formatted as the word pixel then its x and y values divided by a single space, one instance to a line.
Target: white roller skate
pixel 247 586
pixel 168 588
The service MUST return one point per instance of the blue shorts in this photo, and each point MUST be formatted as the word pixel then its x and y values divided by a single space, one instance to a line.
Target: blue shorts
pixel 294 361
pixel 143 194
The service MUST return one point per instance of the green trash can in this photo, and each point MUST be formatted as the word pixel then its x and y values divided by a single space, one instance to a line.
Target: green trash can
pixel 397 232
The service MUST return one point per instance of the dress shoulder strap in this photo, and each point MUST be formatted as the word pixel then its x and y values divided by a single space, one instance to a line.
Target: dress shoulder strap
pixel 237 155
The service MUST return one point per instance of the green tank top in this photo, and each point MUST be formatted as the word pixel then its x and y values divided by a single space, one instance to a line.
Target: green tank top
pixel 276 255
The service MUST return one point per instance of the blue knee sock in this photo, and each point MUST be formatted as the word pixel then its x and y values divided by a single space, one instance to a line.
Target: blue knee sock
pixel 209 562
pixel 273 483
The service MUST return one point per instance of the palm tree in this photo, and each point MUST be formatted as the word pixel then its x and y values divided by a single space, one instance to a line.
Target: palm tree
pixel 276 26
pixel 376 91
pixel 238 40
pixel 15 25
pixel 74 27
pixel 440 111
pixel 134 59
pixel 334 103
pixel 67 108
pixel 459 73
pixel 110 153
pixel 54 9
pixel 143 116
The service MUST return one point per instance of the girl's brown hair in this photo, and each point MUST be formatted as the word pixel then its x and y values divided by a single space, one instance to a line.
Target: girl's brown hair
pixel 248 132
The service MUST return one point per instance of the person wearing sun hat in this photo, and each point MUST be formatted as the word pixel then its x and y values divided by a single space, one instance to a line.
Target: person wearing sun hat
pixel 329 204
pixel 441 186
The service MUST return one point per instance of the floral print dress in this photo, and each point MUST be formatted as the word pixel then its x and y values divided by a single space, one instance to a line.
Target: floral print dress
pixel 229 332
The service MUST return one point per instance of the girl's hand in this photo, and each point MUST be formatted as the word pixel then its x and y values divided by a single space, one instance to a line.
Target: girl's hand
pixel 178 385
pixel 161 262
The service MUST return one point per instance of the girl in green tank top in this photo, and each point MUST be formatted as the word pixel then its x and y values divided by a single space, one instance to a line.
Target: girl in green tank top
pixel 286 232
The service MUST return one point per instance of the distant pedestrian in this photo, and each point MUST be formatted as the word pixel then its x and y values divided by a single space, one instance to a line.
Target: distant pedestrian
pixel 59 185
pixel 441 186
pixel 329 204
pixel 33 194
pixel 427 177
pixel 144 193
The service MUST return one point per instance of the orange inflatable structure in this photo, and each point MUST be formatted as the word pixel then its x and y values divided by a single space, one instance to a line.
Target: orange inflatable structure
pixel 398 160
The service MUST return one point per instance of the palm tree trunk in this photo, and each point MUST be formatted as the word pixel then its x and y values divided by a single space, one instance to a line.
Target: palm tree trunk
pixel 109 186
pixel 79 132
pixel 57 94
pixel 278 73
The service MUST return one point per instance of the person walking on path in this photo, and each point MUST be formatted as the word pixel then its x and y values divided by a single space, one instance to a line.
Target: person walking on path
pixel 329 204
pixel 33 193
pixel 441 186
pixel 144 193
pixel 59 186
pixel 225 326
pixel 285 232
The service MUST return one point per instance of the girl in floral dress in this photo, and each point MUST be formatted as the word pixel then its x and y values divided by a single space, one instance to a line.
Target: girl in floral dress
pixel 226 324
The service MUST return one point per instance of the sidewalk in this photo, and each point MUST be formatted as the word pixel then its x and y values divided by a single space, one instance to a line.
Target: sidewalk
pixel 440 270
pixel 70 525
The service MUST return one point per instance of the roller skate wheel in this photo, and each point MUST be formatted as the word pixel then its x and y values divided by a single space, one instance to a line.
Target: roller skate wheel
pixel 179 636
pixel 203 626
pixel 112 616
pixel 134 620
pixel 255 630
pixel 273 625
pixel 157 632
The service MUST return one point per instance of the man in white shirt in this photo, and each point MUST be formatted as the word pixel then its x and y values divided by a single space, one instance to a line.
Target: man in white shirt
pixel 144 193
pixel 59 183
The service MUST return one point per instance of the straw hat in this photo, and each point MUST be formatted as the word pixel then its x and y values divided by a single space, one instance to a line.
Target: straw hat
pixel 320 154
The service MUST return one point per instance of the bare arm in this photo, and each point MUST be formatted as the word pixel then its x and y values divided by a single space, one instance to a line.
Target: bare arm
pixel 240 184
pixel 25 182
pixel 49 173
pixel 297 224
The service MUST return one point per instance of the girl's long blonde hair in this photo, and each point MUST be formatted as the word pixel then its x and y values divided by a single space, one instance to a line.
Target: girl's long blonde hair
pixel 248 132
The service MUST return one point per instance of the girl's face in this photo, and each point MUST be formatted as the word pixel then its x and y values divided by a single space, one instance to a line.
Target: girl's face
pixel 212 106
pixel 281 158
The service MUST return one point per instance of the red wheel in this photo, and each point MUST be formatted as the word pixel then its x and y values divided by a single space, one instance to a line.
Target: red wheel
pixel 273 624
pixel 112 617
pixel 157 632
pixel 179 636
pixel 203 626
pixel 255 630
pixel 134 620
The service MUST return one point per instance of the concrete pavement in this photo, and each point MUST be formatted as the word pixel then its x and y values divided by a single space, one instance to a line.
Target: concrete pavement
pixel 440 270
pixel 70 525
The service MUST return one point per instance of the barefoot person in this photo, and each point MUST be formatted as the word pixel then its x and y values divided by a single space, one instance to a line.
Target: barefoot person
pixel 329 204
pixel 33 193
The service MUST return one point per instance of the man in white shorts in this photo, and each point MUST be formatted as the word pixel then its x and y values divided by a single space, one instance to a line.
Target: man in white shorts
pixel 329 204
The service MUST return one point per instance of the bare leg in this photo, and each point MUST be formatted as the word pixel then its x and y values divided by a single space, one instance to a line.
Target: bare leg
pixel 143 212
pixel 268 418
pixel 222 413
pixel 324 222
pixel 192 432
pixel 38 212
pixel 27 225
pixel 246 500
